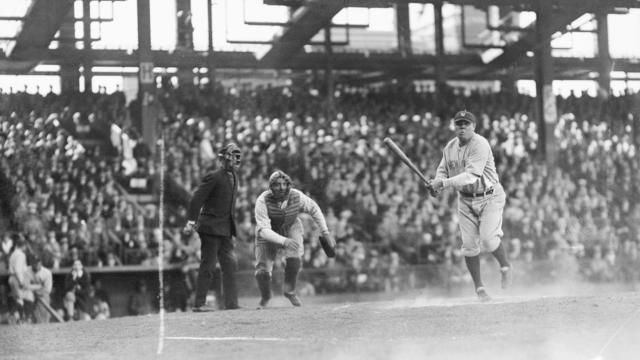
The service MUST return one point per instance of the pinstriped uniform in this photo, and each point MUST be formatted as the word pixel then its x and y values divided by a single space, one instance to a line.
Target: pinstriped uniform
pixel 480 212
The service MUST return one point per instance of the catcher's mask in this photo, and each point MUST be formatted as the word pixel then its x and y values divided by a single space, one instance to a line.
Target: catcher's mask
pixel 231 155
pixel 279 192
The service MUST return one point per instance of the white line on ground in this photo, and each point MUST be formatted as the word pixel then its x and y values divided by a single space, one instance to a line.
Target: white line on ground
pixel 451 302
pixel 616 333
pixel 341 307
pixel 229 338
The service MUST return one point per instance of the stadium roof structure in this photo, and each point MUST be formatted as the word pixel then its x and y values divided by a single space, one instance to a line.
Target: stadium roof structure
pixel 44 18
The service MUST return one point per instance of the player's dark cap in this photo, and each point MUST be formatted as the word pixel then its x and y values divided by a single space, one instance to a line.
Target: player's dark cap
pixel 464 115
pixel 33 259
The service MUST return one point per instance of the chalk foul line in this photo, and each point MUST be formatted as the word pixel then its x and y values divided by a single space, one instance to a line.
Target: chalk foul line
pixel 228 338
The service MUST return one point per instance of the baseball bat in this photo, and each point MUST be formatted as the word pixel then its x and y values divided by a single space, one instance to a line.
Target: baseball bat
pixel 50 310
pixel 404 158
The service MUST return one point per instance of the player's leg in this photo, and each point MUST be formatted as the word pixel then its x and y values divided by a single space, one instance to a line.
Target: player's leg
pixel 216 284
pixel 42 315
pixel 293 263
pixel 29 312
pixel 229 267
pixel 291 270
pixel 471 245
pixel 16 295
pixel 491 234
pixel 69 303
pixel 208 254
pixel 265 256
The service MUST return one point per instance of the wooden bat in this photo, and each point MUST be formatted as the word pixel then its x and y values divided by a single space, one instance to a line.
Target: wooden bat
pixel 399 153
pixel 50 310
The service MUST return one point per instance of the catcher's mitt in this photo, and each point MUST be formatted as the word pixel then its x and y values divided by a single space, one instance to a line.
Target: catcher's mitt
pixel 328 245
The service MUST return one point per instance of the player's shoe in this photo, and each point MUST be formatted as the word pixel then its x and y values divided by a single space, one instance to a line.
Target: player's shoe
pixel 203 308
pixel 263 303
pixel 482 294
pixel 295 300
pixel 507 276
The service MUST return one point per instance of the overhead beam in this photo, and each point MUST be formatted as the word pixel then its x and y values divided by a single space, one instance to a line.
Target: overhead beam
pixel 304 61
pixel 41 22
pixel 13 67
pixel 468 66
pixel 530 40
pixel 523 4
pixel 306 21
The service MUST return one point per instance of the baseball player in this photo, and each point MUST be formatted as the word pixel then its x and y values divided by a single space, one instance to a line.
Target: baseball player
pixel 468 166
pixel 279 230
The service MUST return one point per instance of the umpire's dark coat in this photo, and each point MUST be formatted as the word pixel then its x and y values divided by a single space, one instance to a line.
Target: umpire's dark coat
pixel 214 201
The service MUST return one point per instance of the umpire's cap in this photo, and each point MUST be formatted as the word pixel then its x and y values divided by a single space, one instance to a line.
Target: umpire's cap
pixel 230 148
pixel 464 115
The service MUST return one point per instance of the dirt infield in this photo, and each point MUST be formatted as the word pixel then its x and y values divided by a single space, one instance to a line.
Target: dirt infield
pixel 390 326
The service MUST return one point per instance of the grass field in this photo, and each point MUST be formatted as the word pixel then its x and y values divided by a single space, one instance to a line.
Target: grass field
pixel 552 323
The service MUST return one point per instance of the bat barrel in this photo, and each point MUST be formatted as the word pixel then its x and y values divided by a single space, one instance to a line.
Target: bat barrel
pixel 403 157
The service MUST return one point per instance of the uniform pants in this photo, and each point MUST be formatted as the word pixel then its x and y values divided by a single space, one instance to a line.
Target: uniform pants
pixel 217 248
pixel 266 252
pixel 481 222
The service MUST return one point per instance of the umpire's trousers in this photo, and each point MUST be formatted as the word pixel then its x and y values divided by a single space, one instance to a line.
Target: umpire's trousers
pixel 219 248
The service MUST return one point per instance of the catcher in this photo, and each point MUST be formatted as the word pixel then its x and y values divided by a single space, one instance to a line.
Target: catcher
pixel 279 230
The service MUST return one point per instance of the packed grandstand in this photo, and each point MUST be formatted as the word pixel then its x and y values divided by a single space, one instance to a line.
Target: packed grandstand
pixel 78 183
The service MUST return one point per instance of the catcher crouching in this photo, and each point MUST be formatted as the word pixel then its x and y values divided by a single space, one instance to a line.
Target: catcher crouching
pixel 279 231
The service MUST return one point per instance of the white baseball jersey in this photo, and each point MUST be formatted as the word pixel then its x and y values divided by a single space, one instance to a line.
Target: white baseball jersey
pixel 475 158
pixel 480 215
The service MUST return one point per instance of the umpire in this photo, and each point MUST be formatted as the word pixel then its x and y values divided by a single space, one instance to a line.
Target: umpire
pixel 211 213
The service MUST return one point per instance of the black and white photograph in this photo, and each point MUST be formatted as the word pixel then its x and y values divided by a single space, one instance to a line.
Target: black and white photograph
pixel 320 179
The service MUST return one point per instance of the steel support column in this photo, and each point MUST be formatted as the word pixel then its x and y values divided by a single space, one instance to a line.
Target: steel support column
pixel 403 29
pixel 604 78
pixel 86 41
pixel 147 123
pixel 546 101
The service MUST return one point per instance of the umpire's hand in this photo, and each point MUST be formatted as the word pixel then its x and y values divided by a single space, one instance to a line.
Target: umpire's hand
pixel 189 228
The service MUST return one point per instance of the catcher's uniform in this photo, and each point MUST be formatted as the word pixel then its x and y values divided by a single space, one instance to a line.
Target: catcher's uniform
pixel 282 217
pixel 480 204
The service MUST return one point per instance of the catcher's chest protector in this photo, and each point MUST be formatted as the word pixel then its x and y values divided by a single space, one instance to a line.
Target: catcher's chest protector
pixel 283 219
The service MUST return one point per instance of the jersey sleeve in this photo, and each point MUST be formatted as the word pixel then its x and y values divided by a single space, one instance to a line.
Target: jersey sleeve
pixel 261 214
pixel 310 207
pixel 199 195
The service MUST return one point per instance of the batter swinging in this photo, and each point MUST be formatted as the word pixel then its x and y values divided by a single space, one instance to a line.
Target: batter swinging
pixel 468 166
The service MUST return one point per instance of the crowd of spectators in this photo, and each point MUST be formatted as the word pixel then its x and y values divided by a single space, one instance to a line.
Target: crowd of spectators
pixel 67 199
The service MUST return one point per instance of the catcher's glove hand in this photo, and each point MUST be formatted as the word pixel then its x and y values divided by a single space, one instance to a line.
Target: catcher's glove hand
pixel 328 244
pixel 291 244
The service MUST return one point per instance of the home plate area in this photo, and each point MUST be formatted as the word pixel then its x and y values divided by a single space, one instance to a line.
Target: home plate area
pixel 408 326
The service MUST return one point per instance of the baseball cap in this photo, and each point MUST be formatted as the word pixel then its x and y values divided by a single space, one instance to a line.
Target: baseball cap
pixel 464 115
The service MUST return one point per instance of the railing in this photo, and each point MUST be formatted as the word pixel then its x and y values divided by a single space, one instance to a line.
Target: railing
pixel 438 280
